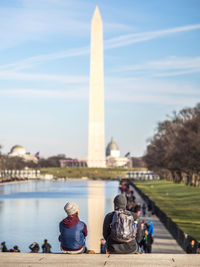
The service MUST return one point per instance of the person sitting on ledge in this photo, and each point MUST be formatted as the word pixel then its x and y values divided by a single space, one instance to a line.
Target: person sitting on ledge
pixel 15 249
pixel 122 229
pixel 46 247
pixel 102 246
pixel 191 248
pixel 3 247
pixel 34 247
pixel 72 231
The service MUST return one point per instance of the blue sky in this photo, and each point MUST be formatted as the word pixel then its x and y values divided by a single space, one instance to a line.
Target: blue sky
pixel 151 67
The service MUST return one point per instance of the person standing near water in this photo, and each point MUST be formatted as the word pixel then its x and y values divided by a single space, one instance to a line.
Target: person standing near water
pixel 72 231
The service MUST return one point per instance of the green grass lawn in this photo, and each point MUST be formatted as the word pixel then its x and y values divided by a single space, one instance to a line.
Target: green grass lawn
pixel 180 202
pixel 93 173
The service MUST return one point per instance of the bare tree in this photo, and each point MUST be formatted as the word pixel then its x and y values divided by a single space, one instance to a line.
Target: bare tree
pixel 174 150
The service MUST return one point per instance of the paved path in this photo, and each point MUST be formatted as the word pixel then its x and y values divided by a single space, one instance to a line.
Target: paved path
pixel 124 260
pixel 163 240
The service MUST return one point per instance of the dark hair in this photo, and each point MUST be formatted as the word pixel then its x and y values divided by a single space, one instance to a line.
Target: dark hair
pixel 75 214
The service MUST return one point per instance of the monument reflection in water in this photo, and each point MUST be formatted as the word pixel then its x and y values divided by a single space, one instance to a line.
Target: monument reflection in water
pixel 95 213
pixel 31 211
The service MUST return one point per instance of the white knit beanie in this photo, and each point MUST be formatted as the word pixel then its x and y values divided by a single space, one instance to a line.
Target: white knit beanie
pixel 71 208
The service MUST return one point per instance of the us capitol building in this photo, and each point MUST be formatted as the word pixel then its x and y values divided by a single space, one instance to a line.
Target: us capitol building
pixel 113 158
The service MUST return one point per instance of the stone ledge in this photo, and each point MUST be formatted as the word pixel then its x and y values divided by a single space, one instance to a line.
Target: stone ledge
pixel 56 260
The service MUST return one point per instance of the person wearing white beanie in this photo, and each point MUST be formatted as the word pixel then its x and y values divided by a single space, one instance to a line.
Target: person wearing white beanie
pixel 72 231
pixel 71 208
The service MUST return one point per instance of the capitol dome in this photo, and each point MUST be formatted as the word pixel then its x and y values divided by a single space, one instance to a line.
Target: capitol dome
pixel 112 149
pixel 17 150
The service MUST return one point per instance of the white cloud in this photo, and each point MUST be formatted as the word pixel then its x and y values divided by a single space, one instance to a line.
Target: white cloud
pixel 108 44
pixel 147 85
pixel 177 73
pixel 44 20
pixel 36 60
pixel 171 66
pixel 33 20
pixel 17 76
pixel 148 98
pixel 119 90
pixel 129 39
pixel 152 91
pixel 45 94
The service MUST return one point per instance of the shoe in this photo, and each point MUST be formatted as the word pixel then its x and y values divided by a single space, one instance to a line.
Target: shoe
pixel 90 252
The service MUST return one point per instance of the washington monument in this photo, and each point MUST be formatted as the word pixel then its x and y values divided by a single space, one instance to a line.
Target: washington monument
pixel 96 143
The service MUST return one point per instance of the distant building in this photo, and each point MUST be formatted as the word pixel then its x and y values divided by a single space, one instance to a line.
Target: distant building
pixel 113 158
pixel 112 149
pixel 19 151
pixel 81 163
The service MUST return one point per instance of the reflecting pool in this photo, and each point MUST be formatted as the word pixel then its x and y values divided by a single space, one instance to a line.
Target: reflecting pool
pixel 31 211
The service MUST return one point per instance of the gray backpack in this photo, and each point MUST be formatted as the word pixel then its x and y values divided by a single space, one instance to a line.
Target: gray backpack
pixel 124 227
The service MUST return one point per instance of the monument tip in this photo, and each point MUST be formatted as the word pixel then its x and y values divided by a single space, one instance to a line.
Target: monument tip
pixel 97 12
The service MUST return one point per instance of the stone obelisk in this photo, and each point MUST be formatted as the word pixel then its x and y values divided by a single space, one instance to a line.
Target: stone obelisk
pixel 96 143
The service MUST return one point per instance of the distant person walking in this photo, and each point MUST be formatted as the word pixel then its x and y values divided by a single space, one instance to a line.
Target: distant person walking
pixel 73 232
pixel 149 209
pixel 150 227
pixel 144 209
pixel 46 247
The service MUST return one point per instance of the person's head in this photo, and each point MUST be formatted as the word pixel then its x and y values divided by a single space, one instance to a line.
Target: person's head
pixel 120 202
pixel 15 247
pixel 192 242
pixel 45 241
pixel 71 208
pixel 146 232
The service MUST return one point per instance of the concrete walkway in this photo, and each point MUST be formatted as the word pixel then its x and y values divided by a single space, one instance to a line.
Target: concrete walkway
pixel 60 260
pixel 163 240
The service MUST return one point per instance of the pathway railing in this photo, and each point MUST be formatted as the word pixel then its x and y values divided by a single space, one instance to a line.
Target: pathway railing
pixel 142 175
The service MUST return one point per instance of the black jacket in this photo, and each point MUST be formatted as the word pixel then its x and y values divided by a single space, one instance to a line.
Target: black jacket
pixel 115 247
pixel 148 242
pixel 191 249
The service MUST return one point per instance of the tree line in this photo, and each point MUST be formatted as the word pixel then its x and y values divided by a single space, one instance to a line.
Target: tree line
pixel 174 150
pixel 18 163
